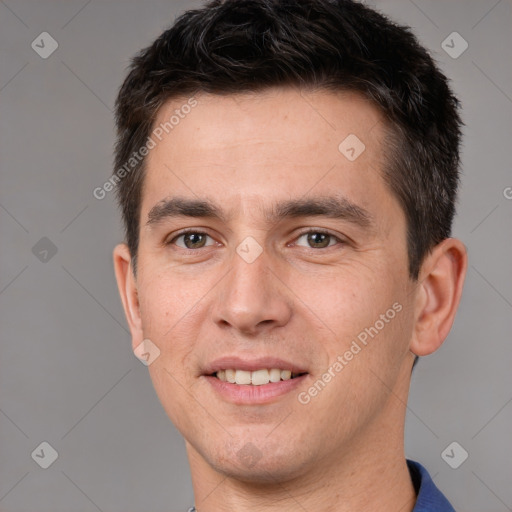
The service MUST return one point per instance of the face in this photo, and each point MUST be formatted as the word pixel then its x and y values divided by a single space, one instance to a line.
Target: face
pixel 297 261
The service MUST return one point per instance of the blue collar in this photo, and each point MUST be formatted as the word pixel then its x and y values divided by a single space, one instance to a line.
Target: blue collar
pixel 429 497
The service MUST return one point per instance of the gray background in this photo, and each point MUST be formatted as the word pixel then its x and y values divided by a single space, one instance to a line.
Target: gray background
pixel 67 373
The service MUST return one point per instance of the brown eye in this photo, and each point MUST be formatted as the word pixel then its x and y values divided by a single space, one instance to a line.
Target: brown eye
pixel 318 239
pixel 191 240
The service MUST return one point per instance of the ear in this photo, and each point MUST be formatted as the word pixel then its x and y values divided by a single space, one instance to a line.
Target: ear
pixel 127 286
pixel 440 287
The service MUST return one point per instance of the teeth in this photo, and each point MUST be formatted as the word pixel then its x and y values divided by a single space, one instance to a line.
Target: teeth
pixel 275 375
pixel 242 377
pixel 260 377
pixel 256 378
pixel 286 374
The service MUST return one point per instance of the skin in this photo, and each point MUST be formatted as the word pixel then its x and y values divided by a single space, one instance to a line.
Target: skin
pixel 300 300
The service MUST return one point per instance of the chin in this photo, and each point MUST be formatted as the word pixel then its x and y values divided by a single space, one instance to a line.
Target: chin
pixel 259 463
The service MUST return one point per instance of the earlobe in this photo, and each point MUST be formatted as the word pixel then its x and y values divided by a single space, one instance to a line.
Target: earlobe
pixel 440 287
pixel 127 287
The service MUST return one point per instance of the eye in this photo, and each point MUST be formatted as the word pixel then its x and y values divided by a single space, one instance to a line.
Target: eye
pixel 318 239
pixel 191 240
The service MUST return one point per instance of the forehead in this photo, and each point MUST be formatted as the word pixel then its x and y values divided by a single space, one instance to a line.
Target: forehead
pixel 223 121
pixel 266 145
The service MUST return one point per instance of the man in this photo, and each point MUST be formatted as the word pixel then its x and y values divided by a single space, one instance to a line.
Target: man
pixel 287 173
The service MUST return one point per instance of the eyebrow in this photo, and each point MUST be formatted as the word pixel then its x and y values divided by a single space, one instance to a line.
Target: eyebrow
pixel 325 206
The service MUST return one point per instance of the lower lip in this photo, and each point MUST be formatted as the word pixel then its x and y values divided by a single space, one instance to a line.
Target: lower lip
pixel 247 394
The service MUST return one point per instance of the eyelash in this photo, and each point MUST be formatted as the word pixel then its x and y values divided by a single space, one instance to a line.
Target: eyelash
pixel 316 231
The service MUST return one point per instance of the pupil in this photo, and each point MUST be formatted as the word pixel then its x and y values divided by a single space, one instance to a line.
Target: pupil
pixel 191 236
pixel 318 238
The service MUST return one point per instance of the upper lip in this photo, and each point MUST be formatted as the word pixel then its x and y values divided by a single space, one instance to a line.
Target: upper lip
pixel 236 363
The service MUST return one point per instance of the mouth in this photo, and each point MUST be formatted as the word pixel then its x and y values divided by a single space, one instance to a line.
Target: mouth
pixel 258 377
pixel 255 381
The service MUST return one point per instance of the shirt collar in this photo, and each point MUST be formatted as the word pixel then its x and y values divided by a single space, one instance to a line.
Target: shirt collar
pixel 429 497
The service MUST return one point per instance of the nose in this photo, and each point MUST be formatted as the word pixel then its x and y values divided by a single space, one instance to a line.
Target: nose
pixel 252 297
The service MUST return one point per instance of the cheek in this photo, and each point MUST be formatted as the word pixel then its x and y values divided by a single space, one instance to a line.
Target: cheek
pixel 367 316
pixel 169 387
pixel 166 308
pixel 172 309
pixel 346 299
pixel 165 299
